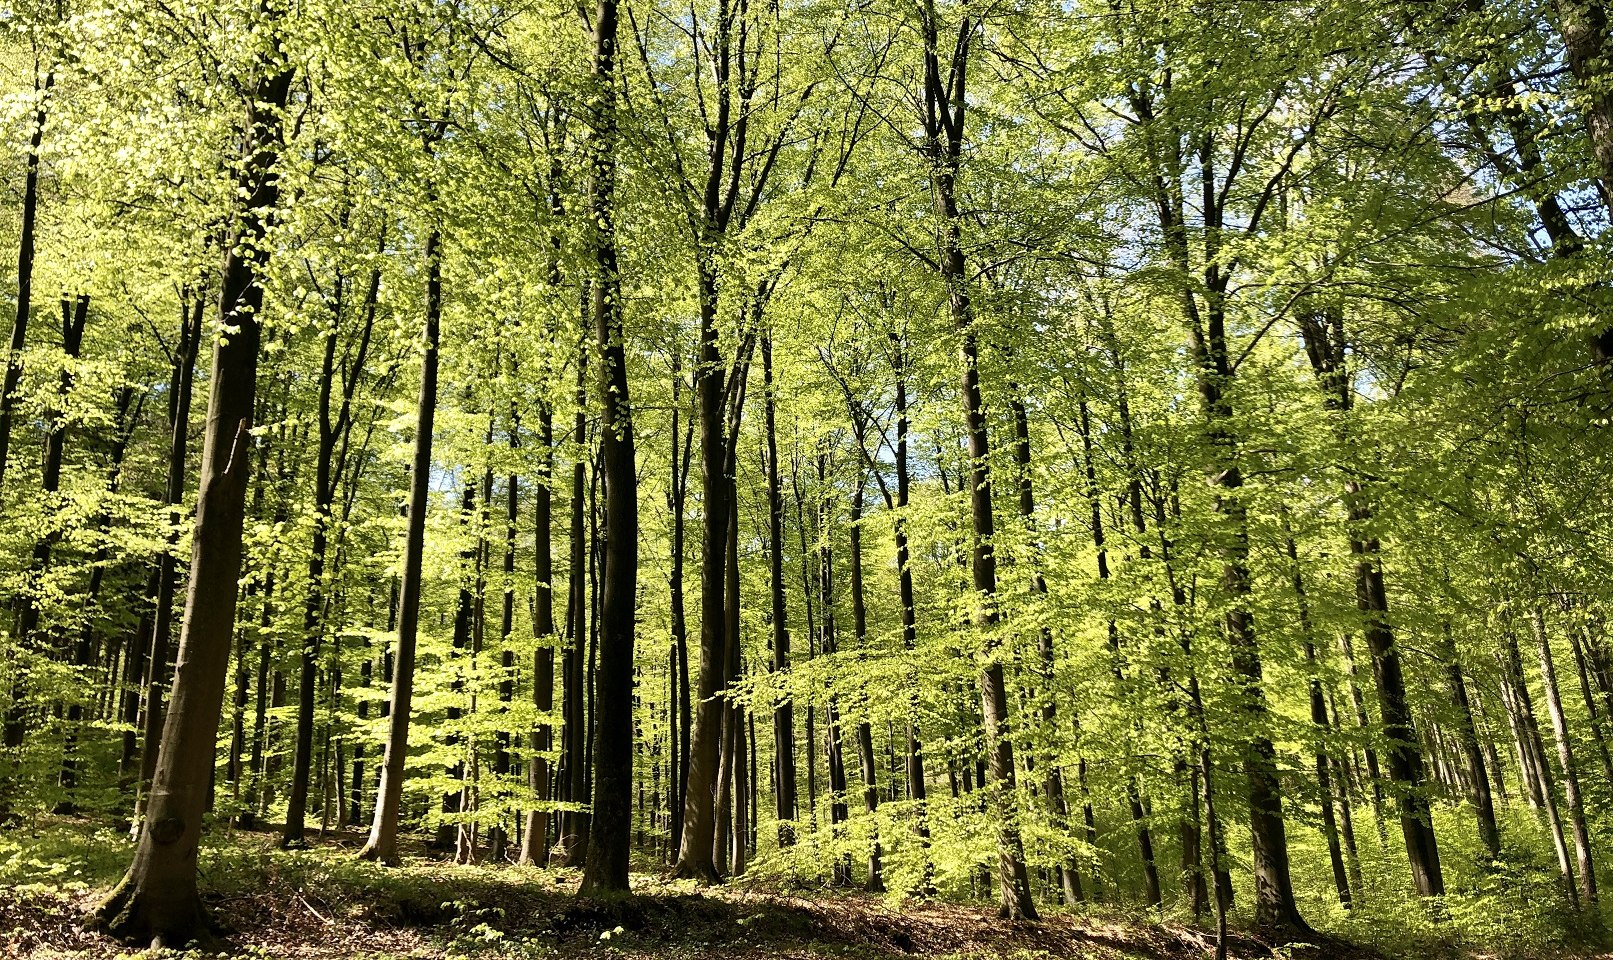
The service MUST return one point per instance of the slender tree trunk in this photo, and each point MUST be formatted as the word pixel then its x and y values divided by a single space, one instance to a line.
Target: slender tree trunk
pixel 1565 759
pixel 25 265
pixel 382 844
pixel 535 840
pixel 1534 756
pixel 945 105
pixel 784 713
pixel 574 824
pixel 865 733
pixel 1319 720
pixel 1139 818
pixel 1325 344
pixel 1472 755
pixel 1597 719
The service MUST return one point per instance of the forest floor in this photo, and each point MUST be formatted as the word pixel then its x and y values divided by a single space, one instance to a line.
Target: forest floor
pixel 323 903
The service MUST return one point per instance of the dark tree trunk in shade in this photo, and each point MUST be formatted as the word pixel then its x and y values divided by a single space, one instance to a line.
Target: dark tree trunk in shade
pixel 784 808
pixel 540 773
pixel 573 843
pixel 612 815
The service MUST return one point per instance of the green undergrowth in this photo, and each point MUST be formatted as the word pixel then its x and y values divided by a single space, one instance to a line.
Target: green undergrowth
pixel 326 903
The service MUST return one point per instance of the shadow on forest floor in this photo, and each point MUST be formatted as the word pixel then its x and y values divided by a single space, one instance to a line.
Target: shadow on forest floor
pixel 324 903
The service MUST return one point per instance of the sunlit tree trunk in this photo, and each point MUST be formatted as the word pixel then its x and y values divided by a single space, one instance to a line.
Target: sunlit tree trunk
pixel 157 902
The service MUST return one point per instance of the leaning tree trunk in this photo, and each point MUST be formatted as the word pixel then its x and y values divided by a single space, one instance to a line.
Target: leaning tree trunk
pixel 382 844
pixel 609 834
pixel 1472 755
pixel 1325 344
pixel 1565 758
pixel 157 901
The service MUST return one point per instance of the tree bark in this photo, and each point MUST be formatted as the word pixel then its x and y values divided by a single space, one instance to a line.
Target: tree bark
pixel 612 815
pixel 157 901
pixel 784 802
pixel 535 839
pixel 1565 759
pixel 382 844
pixel 1325 344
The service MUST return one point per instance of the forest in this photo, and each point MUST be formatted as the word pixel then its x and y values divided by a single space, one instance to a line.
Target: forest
pixel 1133 462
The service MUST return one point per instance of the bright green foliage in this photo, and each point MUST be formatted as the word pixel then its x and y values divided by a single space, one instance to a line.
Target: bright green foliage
pixel 1138 183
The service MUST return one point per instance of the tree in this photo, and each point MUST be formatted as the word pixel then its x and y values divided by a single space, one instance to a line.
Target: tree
pixel 157 901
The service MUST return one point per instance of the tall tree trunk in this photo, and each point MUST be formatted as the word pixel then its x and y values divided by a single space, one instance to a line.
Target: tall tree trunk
pixel 678 657
pixel 1468 736
pixel 157 901
pixel 535 840
pixel 25 265
pixel 612 814
pixel 1325 344
pixel 1565 759
pixel 784 807
pixel 865 732
pixel 944 113
pixel 382 844
pixel 574 823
